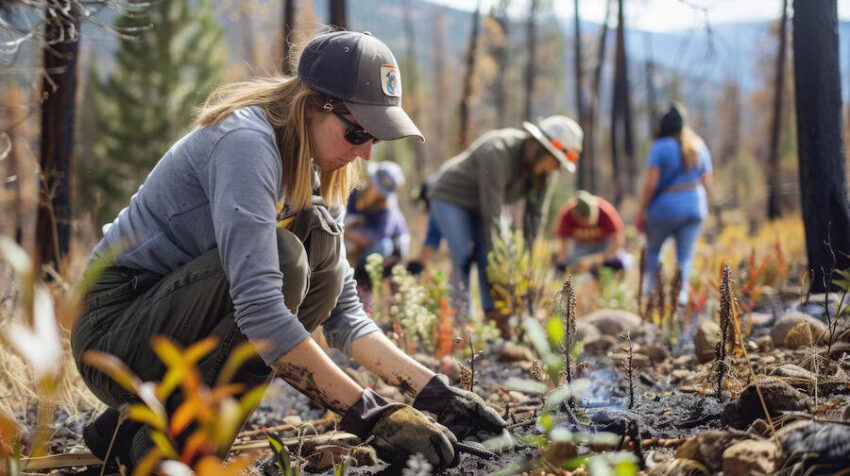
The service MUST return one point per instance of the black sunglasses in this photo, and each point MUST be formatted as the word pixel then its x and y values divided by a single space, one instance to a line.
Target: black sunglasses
pixel 354 134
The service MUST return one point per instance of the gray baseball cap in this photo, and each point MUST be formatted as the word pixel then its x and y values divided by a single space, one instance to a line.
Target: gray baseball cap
pixel 361 71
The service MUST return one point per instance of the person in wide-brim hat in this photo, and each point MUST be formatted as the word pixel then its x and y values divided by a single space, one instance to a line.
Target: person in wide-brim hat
pixel 235 236
pixel 501 167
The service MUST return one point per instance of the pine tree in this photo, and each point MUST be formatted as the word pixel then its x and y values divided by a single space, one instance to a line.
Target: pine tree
pixel 149 98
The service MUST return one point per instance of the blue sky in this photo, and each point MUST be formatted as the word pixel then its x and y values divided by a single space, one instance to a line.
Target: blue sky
pixel 666 15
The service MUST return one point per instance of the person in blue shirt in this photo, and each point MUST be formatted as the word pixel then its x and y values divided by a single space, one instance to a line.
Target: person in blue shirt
pixel 674 198
pixel 374 222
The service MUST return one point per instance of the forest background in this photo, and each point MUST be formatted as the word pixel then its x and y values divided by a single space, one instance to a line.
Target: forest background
pixel 141 71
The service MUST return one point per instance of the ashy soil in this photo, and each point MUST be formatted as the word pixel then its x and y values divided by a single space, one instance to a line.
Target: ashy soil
pixel 674 399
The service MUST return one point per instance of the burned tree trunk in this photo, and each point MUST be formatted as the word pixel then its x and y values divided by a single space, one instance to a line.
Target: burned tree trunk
pixel 589 155
pixel 288 27
pixel 580 114
pixel 500 53
pixel 624 173
pixel 412 91
pixel 437 146
pixel 339 17
pixel 820 150
pixel 466 94
pixel 651 95
pixel 773 207
pixel 53 227
pixel 531 65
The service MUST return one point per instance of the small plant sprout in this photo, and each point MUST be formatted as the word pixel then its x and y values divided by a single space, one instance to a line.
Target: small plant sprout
pixel 641 276
pixel 218 411
pixel 375 270
pixel 630 370
pixel 564 306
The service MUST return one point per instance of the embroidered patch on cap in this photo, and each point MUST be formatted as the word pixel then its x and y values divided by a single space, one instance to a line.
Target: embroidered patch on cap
pixel 390 80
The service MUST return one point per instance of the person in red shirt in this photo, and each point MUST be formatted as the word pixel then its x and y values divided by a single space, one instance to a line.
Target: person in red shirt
pixel 591 235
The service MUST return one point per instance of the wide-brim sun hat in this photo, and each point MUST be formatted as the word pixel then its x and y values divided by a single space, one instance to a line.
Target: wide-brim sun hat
pixel 561 136
pixel 361 71
pixel 385 176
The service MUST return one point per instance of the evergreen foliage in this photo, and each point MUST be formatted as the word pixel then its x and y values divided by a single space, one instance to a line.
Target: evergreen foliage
pixel 149 98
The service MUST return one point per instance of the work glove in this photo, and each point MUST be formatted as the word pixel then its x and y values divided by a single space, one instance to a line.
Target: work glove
pixel 400 431
pixel 463 412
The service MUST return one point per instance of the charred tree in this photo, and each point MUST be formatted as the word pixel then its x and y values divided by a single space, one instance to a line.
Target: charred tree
pixel 500 53
pixel 820 150
pixel 773 206
pixel 338 14
pixel 286 34
pixel 580 114
pixel 412 91
pixel 466 94
pixel 438 68
pixel 531 65
pixel 59 87
pixel 622 111
pixel 589 155
pixel 651 94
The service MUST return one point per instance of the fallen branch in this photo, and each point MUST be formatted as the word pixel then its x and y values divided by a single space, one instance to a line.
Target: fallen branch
pixel 67 460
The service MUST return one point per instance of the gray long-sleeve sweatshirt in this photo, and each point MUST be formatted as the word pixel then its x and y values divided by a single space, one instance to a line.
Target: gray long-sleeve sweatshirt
pixel 219 187
pixel 489 174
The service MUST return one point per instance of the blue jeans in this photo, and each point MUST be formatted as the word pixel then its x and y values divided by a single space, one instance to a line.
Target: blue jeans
pixel 685 233
pixel 433 237
pixel 465 234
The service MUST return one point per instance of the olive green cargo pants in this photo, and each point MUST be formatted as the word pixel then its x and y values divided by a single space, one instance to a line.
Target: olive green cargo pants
pixel 125 308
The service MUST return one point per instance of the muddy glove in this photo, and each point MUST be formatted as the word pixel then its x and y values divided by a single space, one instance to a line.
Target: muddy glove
pixel 463 412
pixel 399 431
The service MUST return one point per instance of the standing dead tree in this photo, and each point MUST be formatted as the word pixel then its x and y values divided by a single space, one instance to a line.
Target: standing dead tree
pixel 412 92
pixel 820 150
pixel 621 110
pixel 54 25
pixel 589 154
pixel 58 92
pixel 338 13
pixel 531 65
pixel 579 87
pixel 287 27
pixel 773 208
pixel 466 94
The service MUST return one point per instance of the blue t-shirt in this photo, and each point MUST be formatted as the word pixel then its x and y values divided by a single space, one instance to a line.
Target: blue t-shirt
pixel 690 203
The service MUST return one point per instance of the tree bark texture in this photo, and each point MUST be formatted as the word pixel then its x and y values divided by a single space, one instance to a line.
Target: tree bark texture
pixel 53 227
pixel 624 173
pixel 589 155
pixel 466 93
pixel 580 113
pixel 288 26
pixel 339 17
pixel 531 65
pixel 820 150
pixel 773 204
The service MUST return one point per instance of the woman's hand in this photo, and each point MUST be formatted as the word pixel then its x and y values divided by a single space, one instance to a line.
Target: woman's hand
pixel 399 431
pixel 640 222
pixel 463 412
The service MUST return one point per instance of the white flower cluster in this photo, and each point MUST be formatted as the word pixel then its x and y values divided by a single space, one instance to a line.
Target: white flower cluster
pixel 409 305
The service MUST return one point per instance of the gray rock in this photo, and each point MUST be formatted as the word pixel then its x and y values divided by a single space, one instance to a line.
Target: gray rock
pixel 751 457
pixel 656 352
pixel 778 396
pixel 600 345
pixel 586 331
pixel 705 340
pixel 707 447
pixel 793 371
pixel 678 467
pixel 613 322
pixel 787 322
